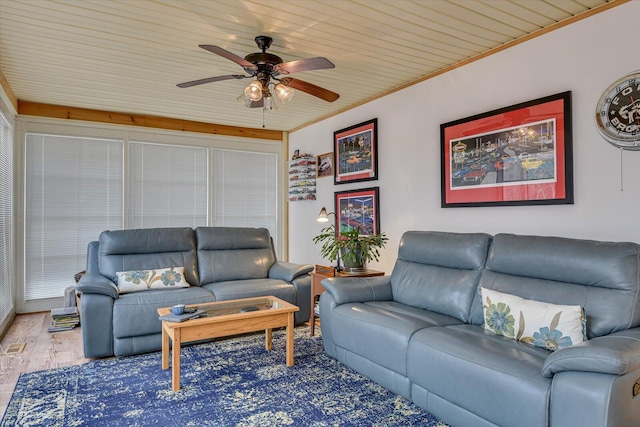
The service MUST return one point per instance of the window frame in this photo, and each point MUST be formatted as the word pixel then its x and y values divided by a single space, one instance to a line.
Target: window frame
pixel 8 116
pixel 28 124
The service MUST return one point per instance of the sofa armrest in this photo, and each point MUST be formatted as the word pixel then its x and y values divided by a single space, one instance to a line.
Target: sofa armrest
pixel 615 354
pixel 359 289
pixel 288 271
pixel 97 284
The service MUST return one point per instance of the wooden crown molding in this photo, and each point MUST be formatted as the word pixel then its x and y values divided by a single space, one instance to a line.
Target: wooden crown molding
pixel 73 113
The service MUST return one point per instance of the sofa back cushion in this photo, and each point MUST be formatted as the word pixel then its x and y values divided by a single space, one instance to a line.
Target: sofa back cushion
pixel 147 249
pixel 601 277
pixel 233 253
pixel 439 271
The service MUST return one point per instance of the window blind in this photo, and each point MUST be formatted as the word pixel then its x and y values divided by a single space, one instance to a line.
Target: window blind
pixel 6 218
pixel 73 191
pixel 245 190
pixel 75 187
pixel 167 186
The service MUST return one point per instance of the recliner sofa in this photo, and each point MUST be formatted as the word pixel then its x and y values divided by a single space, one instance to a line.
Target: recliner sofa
pixel 420 332
pixel 220 263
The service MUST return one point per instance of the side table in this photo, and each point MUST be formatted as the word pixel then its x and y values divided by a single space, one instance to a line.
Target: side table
pixel 317 289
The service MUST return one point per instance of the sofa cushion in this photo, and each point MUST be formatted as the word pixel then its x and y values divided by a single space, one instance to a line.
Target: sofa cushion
pixel 545 325
pixel 236 289
pixel 144 280
pixel 495 378
pixel 380 331
pixel 135 314
pixel 439 271
pixel 230 253
pixel 146 249
pixel 601 277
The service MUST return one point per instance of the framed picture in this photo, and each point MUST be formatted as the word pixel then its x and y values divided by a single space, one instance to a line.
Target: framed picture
pixel 325 165
pixel 358 209
pixel 518 155
pixel 356 153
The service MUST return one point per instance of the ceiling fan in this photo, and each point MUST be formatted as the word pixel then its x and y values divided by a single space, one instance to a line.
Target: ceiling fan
pixel 267 69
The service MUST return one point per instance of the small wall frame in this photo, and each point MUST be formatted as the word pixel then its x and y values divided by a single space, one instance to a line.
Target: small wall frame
pixel 356 153
pixel 325 165
pixel 358 208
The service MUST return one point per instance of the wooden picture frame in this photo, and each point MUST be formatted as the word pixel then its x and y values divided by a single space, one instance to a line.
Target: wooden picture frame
pixel 518 155
pixel 325 165
pixel 358 208
pixel 356 153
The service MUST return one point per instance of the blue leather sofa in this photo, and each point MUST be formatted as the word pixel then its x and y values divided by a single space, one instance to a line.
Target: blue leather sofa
pixel 419 332
pixel 220 263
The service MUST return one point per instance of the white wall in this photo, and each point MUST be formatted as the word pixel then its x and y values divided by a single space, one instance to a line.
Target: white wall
pixel 584 57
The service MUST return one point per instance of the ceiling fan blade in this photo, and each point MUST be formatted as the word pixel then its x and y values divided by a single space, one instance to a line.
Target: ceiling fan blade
pixel 230 56
pixel 311 89
pixel 318 63
pixel 211 80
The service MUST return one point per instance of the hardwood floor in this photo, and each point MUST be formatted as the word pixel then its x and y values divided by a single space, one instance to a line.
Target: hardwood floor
pixel 43 350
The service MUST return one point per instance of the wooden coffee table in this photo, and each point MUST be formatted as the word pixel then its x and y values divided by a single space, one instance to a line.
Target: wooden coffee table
pixel 225 318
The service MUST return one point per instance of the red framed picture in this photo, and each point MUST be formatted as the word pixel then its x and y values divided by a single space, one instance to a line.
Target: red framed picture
pixel 518 155
pixel 358 209
pixel 356 153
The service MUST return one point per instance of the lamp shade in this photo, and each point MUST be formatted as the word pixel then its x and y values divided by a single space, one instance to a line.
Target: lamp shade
pixel 254 91
pixel 285 93
pixel 323 216
pixel 269 103
pixel 244 100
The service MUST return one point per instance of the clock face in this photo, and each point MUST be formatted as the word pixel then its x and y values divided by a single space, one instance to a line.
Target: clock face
pixel 618 113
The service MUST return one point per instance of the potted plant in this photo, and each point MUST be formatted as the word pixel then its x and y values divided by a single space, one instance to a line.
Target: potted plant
pixel 354 249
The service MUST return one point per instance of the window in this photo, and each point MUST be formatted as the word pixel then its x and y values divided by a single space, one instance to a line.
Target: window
pixel 81 180
pixel 245 190
pixel 6 218
pixel 73 191
pixel 167 186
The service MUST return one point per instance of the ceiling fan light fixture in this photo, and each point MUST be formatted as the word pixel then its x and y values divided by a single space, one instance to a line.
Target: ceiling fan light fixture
pixel 254 91
pixel 264 68
pixel 285 93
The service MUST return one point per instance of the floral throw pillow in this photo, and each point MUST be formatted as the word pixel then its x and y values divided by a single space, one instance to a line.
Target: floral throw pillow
pixel 541 324
pixel 143 280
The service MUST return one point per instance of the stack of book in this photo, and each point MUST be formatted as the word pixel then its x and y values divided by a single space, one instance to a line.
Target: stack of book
pixel 64 319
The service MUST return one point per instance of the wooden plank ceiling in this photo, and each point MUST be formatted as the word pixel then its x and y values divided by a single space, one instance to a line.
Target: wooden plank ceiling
pixel 128 55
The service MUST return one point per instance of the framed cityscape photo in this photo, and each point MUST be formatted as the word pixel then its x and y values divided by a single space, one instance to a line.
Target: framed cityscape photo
pixel 358 209
pixel 518 155
pixel 356 153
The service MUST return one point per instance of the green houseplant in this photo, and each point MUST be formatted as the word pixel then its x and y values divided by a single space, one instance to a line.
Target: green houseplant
pixel 354 249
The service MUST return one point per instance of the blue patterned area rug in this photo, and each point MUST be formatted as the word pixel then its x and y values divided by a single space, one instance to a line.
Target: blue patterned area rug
pixel 231 382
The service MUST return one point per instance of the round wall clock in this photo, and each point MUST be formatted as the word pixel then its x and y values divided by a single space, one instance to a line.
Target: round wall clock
pixel 618 113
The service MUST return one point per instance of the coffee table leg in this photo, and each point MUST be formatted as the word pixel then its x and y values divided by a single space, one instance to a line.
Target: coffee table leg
pixel 175 361
pixel 268 339
pixel 290 339
pixel 165 348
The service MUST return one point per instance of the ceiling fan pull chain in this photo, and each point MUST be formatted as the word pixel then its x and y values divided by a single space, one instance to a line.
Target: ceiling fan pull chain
pixel 263 118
